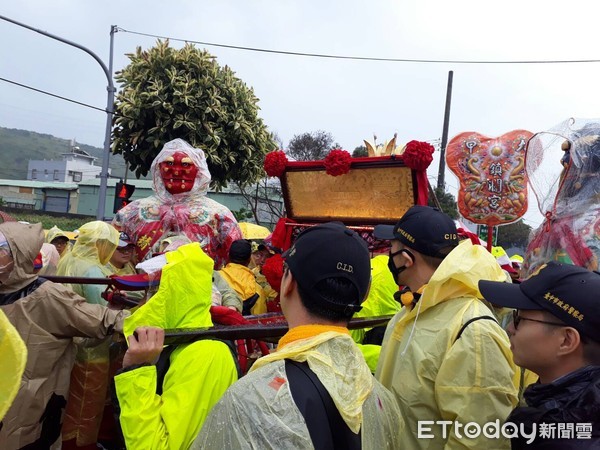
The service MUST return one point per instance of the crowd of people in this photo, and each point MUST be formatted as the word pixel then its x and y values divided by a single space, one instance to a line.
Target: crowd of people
pixel 473 357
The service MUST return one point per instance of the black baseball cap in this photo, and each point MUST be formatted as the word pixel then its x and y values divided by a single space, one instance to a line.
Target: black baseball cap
pixel 422 228
pixel 240 250
pixel 330 250
pixel 272 250
pixel 124 240
pixel 570 293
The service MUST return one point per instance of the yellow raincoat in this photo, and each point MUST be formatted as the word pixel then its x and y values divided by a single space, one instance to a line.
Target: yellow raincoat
pixel 379 302
pixel 258 412
pixel 14 357
pixel 243 281
pixel 89 379
pixel 55 232
pixel 436 376
pixel 199 373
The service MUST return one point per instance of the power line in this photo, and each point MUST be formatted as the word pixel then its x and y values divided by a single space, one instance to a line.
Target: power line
pixel 53 95
pixel 361 58
pixel 115 113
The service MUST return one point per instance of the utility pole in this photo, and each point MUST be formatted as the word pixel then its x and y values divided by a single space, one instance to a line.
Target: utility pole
pixel 109 103
pixel 442 169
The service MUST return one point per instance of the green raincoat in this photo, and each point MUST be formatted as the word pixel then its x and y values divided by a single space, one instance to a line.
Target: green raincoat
pixel 199 373
pixel 379 302
pixel 436 376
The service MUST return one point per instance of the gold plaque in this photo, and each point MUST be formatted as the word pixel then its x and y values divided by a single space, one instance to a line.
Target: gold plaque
pixel 365 195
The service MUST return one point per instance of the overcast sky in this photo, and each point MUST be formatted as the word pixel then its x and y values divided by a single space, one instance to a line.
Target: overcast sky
pixel 349 99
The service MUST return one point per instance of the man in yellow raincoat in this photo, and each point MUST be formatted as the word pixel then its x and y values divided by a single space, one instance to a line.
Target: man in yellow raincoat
pixel 242 280
pixel 198 374
pixel 326 277
pixel 59 239
pixel 444 356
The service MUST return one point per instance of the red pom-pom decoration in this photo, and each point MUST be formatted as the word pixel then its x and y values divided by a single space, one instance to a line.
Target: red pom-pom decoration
pixel 275 163
pixel 337 162
pixel 272 269
pixel 418 155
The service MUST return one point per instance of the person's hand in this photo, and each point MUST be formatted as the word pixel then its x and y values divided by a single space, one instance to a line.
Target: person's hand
pixel 146 348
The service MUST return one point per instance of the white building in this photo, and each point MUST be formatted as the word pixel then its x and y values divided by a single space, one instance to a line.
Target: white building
pixel 74 167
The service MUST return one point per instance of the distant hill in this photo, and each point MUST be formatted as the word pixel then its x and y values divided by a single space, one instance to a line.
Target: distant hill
pixel 17 147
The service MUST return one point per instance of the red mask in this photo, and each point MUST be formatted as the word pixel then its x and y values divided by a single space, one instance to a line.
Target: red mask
pixel 178 173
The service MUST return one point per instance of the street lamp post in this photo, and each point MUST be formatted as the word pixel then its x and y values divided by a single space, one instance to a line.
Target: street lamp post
pixel 109 103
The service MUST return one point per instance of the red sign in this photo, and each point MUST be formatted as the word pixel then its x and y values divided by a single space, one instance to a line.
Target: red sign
pixel 491 172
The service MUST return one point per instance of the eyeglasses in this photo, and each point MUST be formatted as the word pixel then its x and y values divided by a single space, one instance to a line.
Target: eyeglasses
pixel 127 249
pixel 517 320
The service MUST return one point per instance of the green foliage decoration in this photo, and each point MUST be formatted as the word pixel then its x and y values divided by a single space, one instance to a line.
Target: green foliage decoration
pixel 167 93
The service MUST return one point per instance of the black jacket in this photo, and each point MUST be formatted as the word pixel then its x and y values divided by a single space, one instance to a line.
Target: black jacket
pixel 572 399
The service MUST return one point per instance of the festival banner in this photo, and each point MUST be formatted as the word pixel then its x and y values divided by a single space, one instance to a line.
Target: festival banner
pixel 491 173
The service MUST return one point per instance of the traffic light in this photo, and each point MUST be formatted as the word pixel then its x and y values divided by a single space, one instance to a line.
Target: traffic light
pixel 123 192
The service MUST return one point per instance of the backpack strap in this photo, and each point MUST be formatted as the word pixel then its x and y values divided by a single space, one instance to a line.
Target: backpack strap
pixel 12 297
pixel 468 322
pixel 162 367
pixel 248 304
pixel 325 425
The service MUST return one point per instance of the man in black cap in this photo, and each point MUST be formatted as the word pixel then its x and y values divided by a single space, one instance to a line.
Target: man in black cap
pixel 444 355
pixel 121 261
pixel 316 391
pixel 241 279
pixel 556 334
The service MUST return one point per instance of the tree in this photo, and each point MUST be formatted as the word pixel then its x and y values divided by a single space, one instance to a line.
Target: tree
pixel 515 234
pixel 242 214
pixel 278 140
pixel 445 201
pixel 360 152
pixel 265 200
pixel 168 93
pixel 310 146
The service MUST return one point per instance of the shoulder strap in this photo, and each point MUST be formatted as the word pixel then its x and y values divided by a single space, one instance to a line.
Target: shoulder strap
pixel 468 322
pixel 12 297
pixel 162 367
pixel 325 425
pixel 249 303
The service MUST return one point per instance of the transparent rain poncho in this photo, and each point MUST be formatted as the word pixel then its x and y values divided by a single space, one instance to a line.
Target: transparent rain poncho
pixel 259 411
pixel 89 378
pixel 55 232
pixel 95 245
pixel 563 166
pixel 436 376
pixel 147 221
